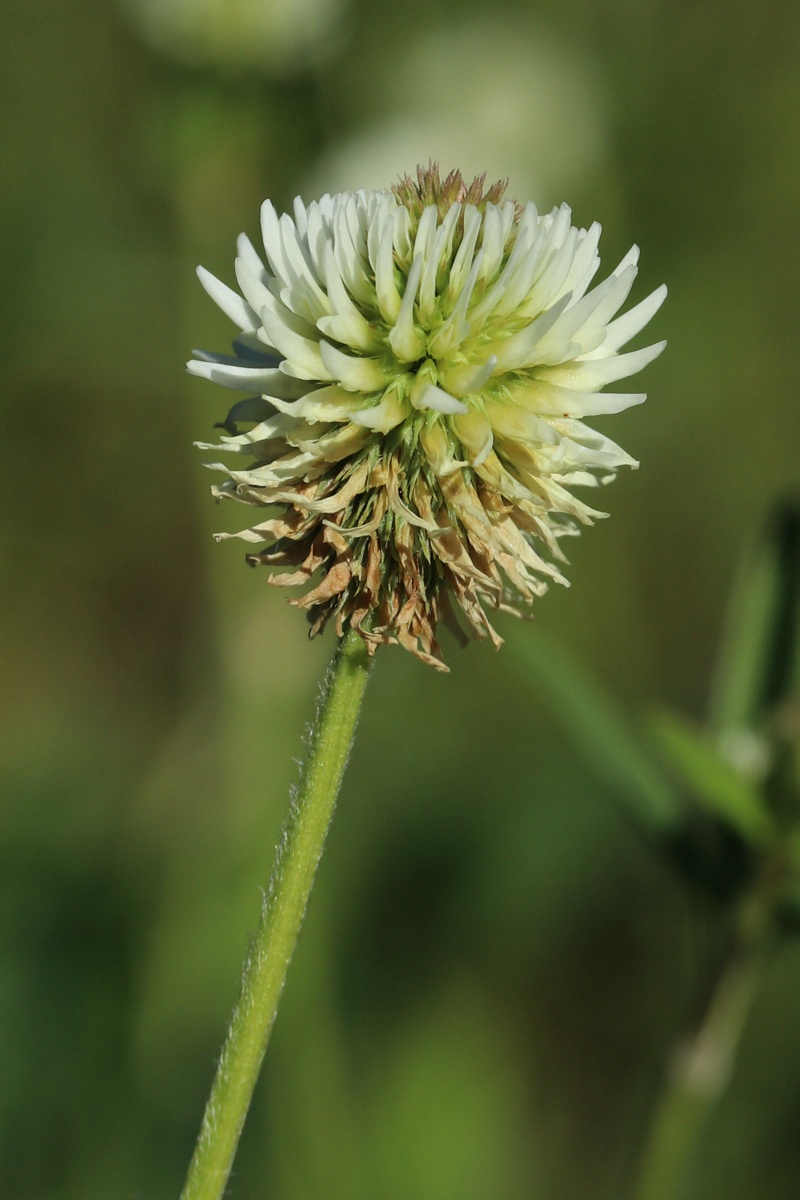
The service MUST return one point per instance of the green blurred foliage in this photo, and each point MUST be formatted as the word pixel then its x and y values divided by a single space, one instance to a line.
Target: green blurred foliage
pixel 495 962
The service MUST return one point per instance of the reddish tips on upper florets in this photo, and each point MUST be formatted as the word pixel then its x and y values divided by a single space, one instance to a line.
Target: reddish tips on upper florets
pixel 431 190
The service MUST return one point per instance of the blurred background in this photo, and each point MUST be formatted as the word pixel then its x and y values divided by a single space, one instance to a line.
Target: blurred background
pixel 495 963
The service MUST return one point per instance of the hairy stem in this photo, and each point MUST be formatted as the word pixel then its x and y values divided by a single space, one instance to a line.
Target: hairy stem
pixel 297 857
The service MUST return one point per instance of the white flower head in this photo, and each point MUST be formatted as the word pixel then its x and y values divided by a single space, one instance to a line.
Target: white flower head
pixel 417 365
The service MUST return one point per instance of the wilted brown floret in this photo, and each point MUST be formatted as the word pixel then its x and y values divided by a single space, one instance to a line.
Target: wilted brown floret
pixel 386 577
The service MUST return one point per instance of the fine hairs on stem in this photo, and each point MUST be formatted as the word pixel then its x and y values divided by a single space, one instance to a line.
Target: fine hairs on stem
pixel 297 858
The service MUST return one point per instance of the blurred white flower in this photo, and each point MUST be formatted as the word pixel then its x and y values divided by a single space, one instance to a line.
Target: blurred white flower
pixel 747 752
pixel 492 94
pixel 419 363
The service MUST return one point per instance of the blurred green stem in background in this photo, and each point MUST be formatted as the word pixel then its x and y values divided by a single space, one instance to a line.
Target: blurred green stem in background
pixel 746 773
pixel 702 1066
pixel 297 858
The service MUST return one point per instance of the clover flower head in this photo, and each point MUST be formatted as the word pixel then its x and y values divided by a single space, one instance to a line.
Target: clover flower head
pixel 417 364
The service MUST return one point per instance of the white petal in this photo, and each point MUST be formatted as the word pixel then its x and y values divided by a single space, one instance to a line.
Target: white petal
pixel 346 324
pixel 384 416
pixel 428 395
pixel 283 470
pixel 389 300
pixel 295 251
pixel 462 263
pixel 302 355
pixel 355 374
pixel 587 375
pixel 248 359
pixel 514 421
pixel 401 232
pixel 585 262
pixel 468 378
pixel 604 454
pixel 582 327
pixel 300 217
pixel 436 445
pixel 273 243
pixel 302 292
pixel 325 404
pixel 522 349
pixel 287 316
pixel 405 339
pixel 259 380
pixel 255 290
pixel 581 478
pixel 630 323
pixel 350 248
pixel 550 282
pixel 511 285
pixel 552 231
pixel 549 400
pixel 275 426
pixel 426 232
pixel 496 475
pixel 475 433
pixel 456 328
pixel 611 294
pixel 492 242
pixel 317 237
pixel 229 301
pixel 437 252
pixel 246 251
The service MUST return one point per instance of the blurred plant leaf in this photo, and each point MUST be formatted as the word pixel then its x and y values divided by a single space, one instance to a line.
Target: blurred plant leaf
pixel 713 781
pixel 789 896
pixel 758 665
pixel 787 905
pixel 601 732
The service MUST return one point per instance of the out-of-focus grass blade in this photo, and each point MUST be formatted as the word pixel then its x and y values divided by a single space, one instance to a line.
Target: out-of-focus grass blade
pixel 713 782
pixel 759 660
pixel 600 732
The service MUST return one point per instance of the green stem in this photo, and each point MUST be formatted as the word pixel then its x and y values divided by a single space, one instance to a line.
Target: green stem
pixel 699 1076
pixel 297 858
pixel 703 1066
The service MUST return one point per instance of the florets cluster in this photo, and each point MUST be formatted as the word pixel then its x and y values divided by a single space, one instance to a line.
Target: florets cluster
pixel 418 364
